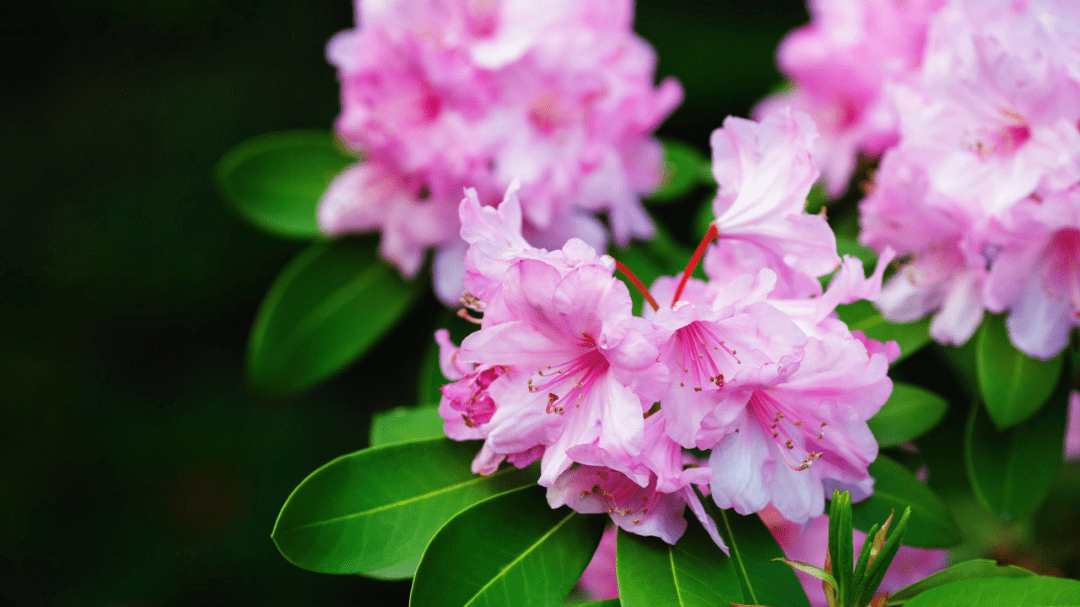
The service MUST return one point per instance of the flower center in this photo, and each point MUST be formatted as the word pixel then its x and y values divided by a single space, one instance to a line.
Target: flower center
pixel 793 435
pixel 566 384
pixel 697 345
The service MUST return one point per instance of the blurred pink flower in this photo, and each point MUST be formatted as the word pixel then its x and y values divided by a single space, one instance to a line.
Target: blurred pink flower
pixel 982 193
pixel 1072 428
pixel 438 95
pixel 840 64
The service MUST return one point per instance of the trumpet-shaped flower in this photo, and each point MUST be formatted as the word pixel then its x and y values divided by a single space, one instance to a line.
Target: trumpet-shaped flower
pixel 765 171
pixel 796 428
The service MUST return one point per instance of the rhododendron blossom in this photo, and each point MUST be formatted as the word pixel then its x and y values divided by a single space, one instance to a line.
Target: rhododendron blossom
pixel 751 368
pixel 981 195
pixel 840 64
pixel 442 94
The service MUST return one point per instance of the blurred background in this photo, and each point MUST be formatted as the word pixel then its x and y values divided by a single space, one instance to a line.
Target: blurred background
pixel 138 467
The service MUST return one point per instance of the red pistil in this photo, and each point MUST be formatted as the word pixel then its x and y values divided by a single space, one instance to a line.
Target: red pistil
pixel 709 237
pixel 637 284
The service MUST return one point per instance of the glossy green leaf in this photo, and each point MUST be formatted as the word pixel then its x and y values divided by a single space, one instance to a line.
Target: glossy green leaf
pixel 406 424
pixel 398 571
pixel 1033 591
pixel 909 413
pixel 692 573
pixel 1013 385
pixel 973 569
pixel 275 181
pixel 861 316
pixel 1011 471
pixel 604 603
pixel 684 168
pixel 512 550
pixel 764 580
pixel 327 307
pixel 895 488
pixel 376 509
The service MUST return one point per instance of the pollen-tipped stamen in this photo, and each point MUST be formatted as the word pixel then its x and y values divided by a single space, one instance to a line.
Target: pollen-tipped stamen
pixel 785 430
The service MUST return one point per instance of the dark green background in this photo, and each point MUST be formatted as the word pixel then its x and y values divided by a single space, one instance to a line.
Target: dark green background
pixel 138 468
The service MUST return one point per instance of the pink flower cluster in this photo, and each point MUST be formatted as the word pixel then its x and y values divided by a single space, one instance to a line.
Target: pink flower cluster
pixel 442 94
pixel 979 186
pixel 745 387
pixel 809 544
pixel 841 64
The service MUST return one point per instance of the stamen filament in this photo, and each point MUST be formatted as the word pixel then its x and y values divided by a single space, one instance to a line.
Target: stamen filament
pixel 637 284
pixel 709 237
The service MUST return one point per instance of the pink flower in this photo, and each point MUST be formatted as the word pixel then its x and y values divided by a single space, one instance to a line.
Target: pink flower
pixel 757 370
pixel 809 543
pixel 796 428
pixel 765 171
pixel 980 193
pixel 642 510
pixel 715 334
pixel 1072 428
pixel 1036 276
pixel 442 94
pixel 580 369
pixel 839 65
pixel 941 238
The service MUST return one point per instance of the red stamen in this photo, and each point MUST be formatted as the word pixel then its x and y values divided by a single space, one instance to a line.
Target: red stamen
pixel 637 284
pixel 709 237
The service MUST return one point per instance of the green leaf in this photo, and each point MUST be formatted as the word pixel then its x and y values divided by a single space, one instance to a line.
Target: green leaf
pixel 909 413
pixel 875 573
pixel 764 580
pixel 511 550
pixel 809 569
pixel 327 307
pixel 377 508
pixel 399 571
pixel 1011 471
pixel 1013 385
pixel 694 572
pixel 841 545
pixel 862 316
pixel 406 424
pixel 895 488
pixel 978 568
pixel 684 168
pixel 1033 591
pixel 604 603
pixel 275 181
